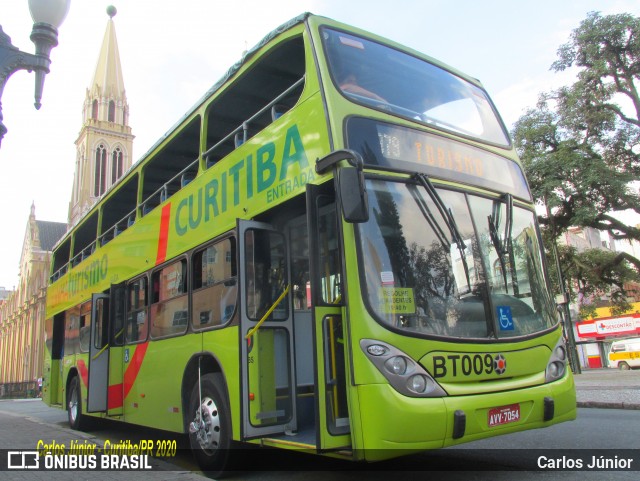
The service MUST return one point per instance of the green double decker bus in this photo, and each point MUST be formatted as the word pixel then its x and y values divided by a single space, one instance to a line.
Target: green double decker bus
pixel 335 250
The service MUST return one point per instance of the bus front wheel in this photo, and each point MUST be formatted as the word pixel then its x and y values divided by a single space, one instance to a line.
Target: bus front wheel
pixel 210 426
pixel 74 406
pixel 624 366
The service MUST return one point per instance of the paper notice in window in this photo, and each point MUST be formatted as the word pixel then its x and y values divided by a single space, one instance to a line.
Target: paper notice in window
pixel 397 300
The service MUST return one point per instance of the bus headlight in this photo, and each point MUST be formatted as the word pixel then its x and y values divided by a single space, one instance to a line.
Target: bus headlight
pixel 419 384
pixel 403 373
pixel 396 365
pixel 557 365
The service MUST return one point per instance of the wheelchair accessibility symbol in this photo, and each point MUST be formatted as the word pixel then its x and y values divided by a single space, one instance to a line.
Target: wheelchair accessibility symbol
pixel 504 316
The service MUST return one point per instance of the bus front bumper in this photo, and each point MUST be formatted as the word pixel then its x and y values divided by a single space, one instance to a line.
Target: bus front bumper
pixel 393 424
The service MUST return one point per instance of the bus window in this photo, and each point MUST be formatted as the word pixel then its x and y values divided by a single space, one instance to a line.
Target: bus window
pixel 85 326
pixel 327 235
pixel 169 305
pixel 214 284
pixel 266 274
pixel 101 332
pixel 72 330
pixel 137 311
pixel 299 242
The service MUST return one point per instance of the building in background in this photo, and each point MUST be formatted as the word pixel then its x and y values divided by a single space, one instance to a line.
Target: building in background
pixel 22 313
pixel 594 336
pixel 104 151
pixel 4 294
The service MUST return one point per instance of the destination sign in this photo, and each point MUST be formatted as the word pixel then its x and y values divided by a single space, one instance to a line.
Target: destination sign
pixel 406 149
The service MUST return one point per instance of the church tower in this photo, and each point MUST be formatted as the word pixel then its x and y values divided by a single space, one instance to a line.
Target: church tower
pixel 104 145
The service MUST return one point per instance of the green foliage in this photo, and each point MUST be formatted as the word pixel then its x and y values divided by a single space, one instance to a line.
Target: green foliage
pixel 580 145
pixel 591 274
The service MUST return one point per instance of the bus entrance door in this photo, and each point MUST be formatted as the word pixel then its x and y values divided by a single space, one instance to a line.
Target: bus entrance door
pixel 105 352
pixel 333 422
pixel 266 326
pixel 98 354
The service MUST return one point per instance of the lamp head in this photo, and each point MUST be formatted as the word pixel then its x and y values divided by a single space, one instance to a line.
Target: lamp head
pixel 51 12
pixel 47 16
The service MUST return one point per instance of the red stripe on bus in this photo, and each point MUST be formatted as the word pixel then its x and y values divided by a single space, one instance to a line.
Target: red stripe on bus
pixel 133 368
pixel 164 234
pixel 114 396
pixel 116 393
pixel 84 372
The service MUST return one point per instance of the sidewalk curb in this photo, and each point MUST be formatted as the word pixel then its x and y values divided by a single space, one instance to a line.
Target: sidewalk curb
pixel 607 405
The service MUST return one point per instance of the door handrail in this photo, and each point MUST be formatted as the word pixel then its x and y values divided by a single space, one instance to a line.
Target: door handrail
pixel 268 313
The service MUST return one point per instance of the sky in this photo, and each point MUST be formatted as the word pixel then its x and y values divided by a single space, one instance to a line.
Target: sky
pixel 172 52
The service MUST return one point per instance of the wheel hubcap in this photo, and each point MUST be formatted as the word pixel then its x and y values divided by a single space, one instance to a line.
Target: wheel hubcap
pixel 206 425
pixel 73 405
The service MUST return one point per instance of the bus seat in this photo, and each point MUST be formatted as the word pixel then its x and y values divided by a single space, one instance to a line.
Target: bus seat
pixel 146 208
pixel 277 111
pixel 239 139
pixel 242 136
pixel 186 178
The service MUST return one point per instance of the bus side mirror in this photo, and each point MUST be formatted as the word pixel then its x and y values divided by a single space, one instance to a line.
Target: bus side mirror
pixel 353 195
pixel 351 186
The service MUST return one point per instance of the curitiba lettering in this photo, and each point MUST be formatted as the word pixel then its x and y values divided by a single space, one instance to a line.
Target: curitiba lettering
pixel 265 170
pixel 89 276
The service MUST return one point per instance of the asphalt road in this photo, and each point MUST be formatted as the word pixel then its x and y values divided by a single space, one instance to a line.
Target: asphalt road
pixel 603 433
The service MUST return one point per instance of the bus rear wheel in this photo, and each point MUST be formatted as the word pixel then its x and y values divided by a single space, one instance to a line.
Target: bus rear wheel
pixel 210 426
pixel 623 366
pixel 77 420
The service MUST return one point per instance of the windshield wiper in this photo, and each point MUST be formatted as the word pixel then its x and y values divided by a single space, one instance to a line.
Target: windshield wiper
pixel 449 220
pixel 504 246
pixel 430 218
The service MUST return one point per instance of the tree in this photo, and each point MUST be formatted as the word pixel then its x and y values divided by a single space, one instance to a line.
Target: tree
pixel 581 144
pixel 593 274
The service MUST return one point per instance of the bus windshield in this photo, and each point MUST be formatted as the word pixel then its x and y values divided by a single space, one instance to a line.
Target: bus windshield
pixel 393 81
pixel 454 264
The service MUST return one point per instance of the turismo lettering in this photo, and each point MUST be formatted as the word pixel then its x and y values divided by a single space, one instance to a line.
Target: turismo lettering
pixel 265 170
pixel 89 276
pixel 449 159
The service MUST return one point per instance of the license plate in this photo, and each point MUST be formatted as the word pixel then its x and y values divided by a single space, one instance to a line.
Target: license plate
pixel 503 415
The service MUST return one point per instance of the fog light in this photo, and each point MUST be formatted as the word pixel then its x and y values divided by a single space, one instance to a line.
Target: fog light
pixel 397 365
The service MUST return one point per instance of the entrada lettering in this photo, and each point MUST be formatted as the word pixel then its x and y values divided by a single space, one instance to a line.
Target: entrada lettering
pixel 264 170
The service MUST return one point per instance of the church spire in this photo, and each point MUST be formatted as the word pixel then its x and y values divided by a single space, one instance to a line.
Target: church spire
pixel 105 143
pixel 107 80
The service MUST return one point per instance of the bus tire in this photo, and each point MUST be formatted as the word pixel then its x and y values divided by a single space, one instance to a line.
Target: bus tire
pixel 210 434
pixel 77 420
pixel 623 366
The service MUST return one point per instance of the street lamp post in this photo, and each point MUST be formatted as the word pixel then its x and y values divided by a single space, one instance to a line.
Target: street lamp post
pixel 47 16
